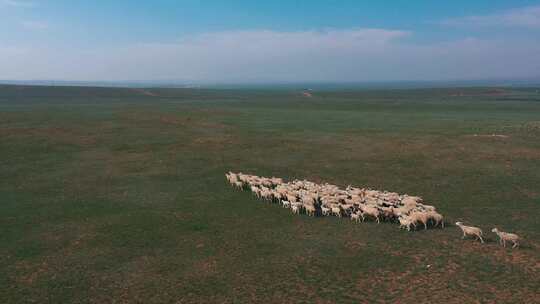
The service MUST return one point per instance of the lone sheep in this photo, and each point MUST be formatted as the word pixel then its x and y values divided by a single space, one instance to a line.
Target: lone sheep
pixel 505 236
pixel 469 230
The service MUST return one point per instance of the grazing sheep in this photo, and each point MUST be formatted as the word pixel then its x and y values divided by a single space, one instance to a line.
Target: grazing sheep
pixel 232 178
pixel 336 211
pixel 437 218
pixel 406 223
pixel 308 200
pixel 371 193
pixel 356 217
pixel 419 216
pixel 310 210
pixel 276 181
pixel 266 194
pixel 411 200
pixel 347 208
pixel 505 236
pixel 239 185
pixel 325 210
pixel 255 191
pixel 299 195
pixel 428 208
pixel 388 213
pixel 469 230
pixel 371 211
pixel 291 198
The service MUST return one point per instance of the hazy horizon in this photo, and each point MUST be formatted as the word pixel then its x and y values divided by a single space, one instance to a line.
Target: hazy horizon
pixel 242 42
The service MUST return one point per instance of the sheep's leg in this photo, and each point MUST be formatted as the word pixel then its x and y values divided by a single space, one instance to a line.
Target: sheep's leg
pixel 378 221
pixel 425 225
pixel 463 237
pixel 516 244
pixel 481 239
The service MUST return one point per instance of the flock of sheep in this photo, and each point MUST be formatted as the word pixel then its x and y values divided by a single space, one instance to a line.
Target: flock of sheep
pixel 358 204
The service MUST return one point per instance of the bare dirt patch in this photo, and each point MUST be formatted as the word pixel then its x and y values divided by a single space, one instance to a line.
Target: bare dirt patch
pixel 501 136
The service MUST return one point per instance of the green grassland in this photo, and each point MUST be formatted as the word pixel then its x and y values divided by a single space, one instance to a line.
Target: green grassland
pixel 119 195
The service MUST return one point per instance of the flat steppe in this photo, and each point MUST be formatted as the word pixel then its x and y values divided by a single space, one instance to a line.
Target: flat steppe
pixel 119 195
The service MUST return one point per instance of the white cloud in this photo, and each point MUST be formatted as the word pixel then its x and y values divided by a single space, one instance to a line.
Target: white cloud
pixel 521 17
pixel 16 3
pixel 261 55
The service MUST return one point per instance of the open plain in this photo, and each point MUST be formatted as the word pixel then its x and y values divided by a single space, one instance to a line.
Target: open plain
pixel 118 195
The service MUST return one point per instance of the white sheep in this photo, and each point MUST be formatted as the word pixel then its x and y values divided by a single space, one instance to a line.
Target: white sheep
pixel 411 201
pixel 419 216
pixel 308 199
pixel 406 222
pixel 357 216
pixel 310 209
pixel 239 185
pixel 255 190
pixel 371 211
pixel 469 230
pixel 388 212
pixel 266 194
pixel 336 211
pixel 353 202
pixel 437 218
pixel 505 236
pixel 325 210
pixel 291 198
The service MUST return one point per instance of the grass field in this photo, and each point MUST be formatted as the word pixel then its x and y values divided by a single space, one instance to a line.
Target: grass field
pixel 119 195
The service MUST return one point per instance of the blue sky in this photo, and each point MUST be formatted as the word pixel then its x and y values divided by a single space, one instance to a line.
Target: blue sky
pixel 250 41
